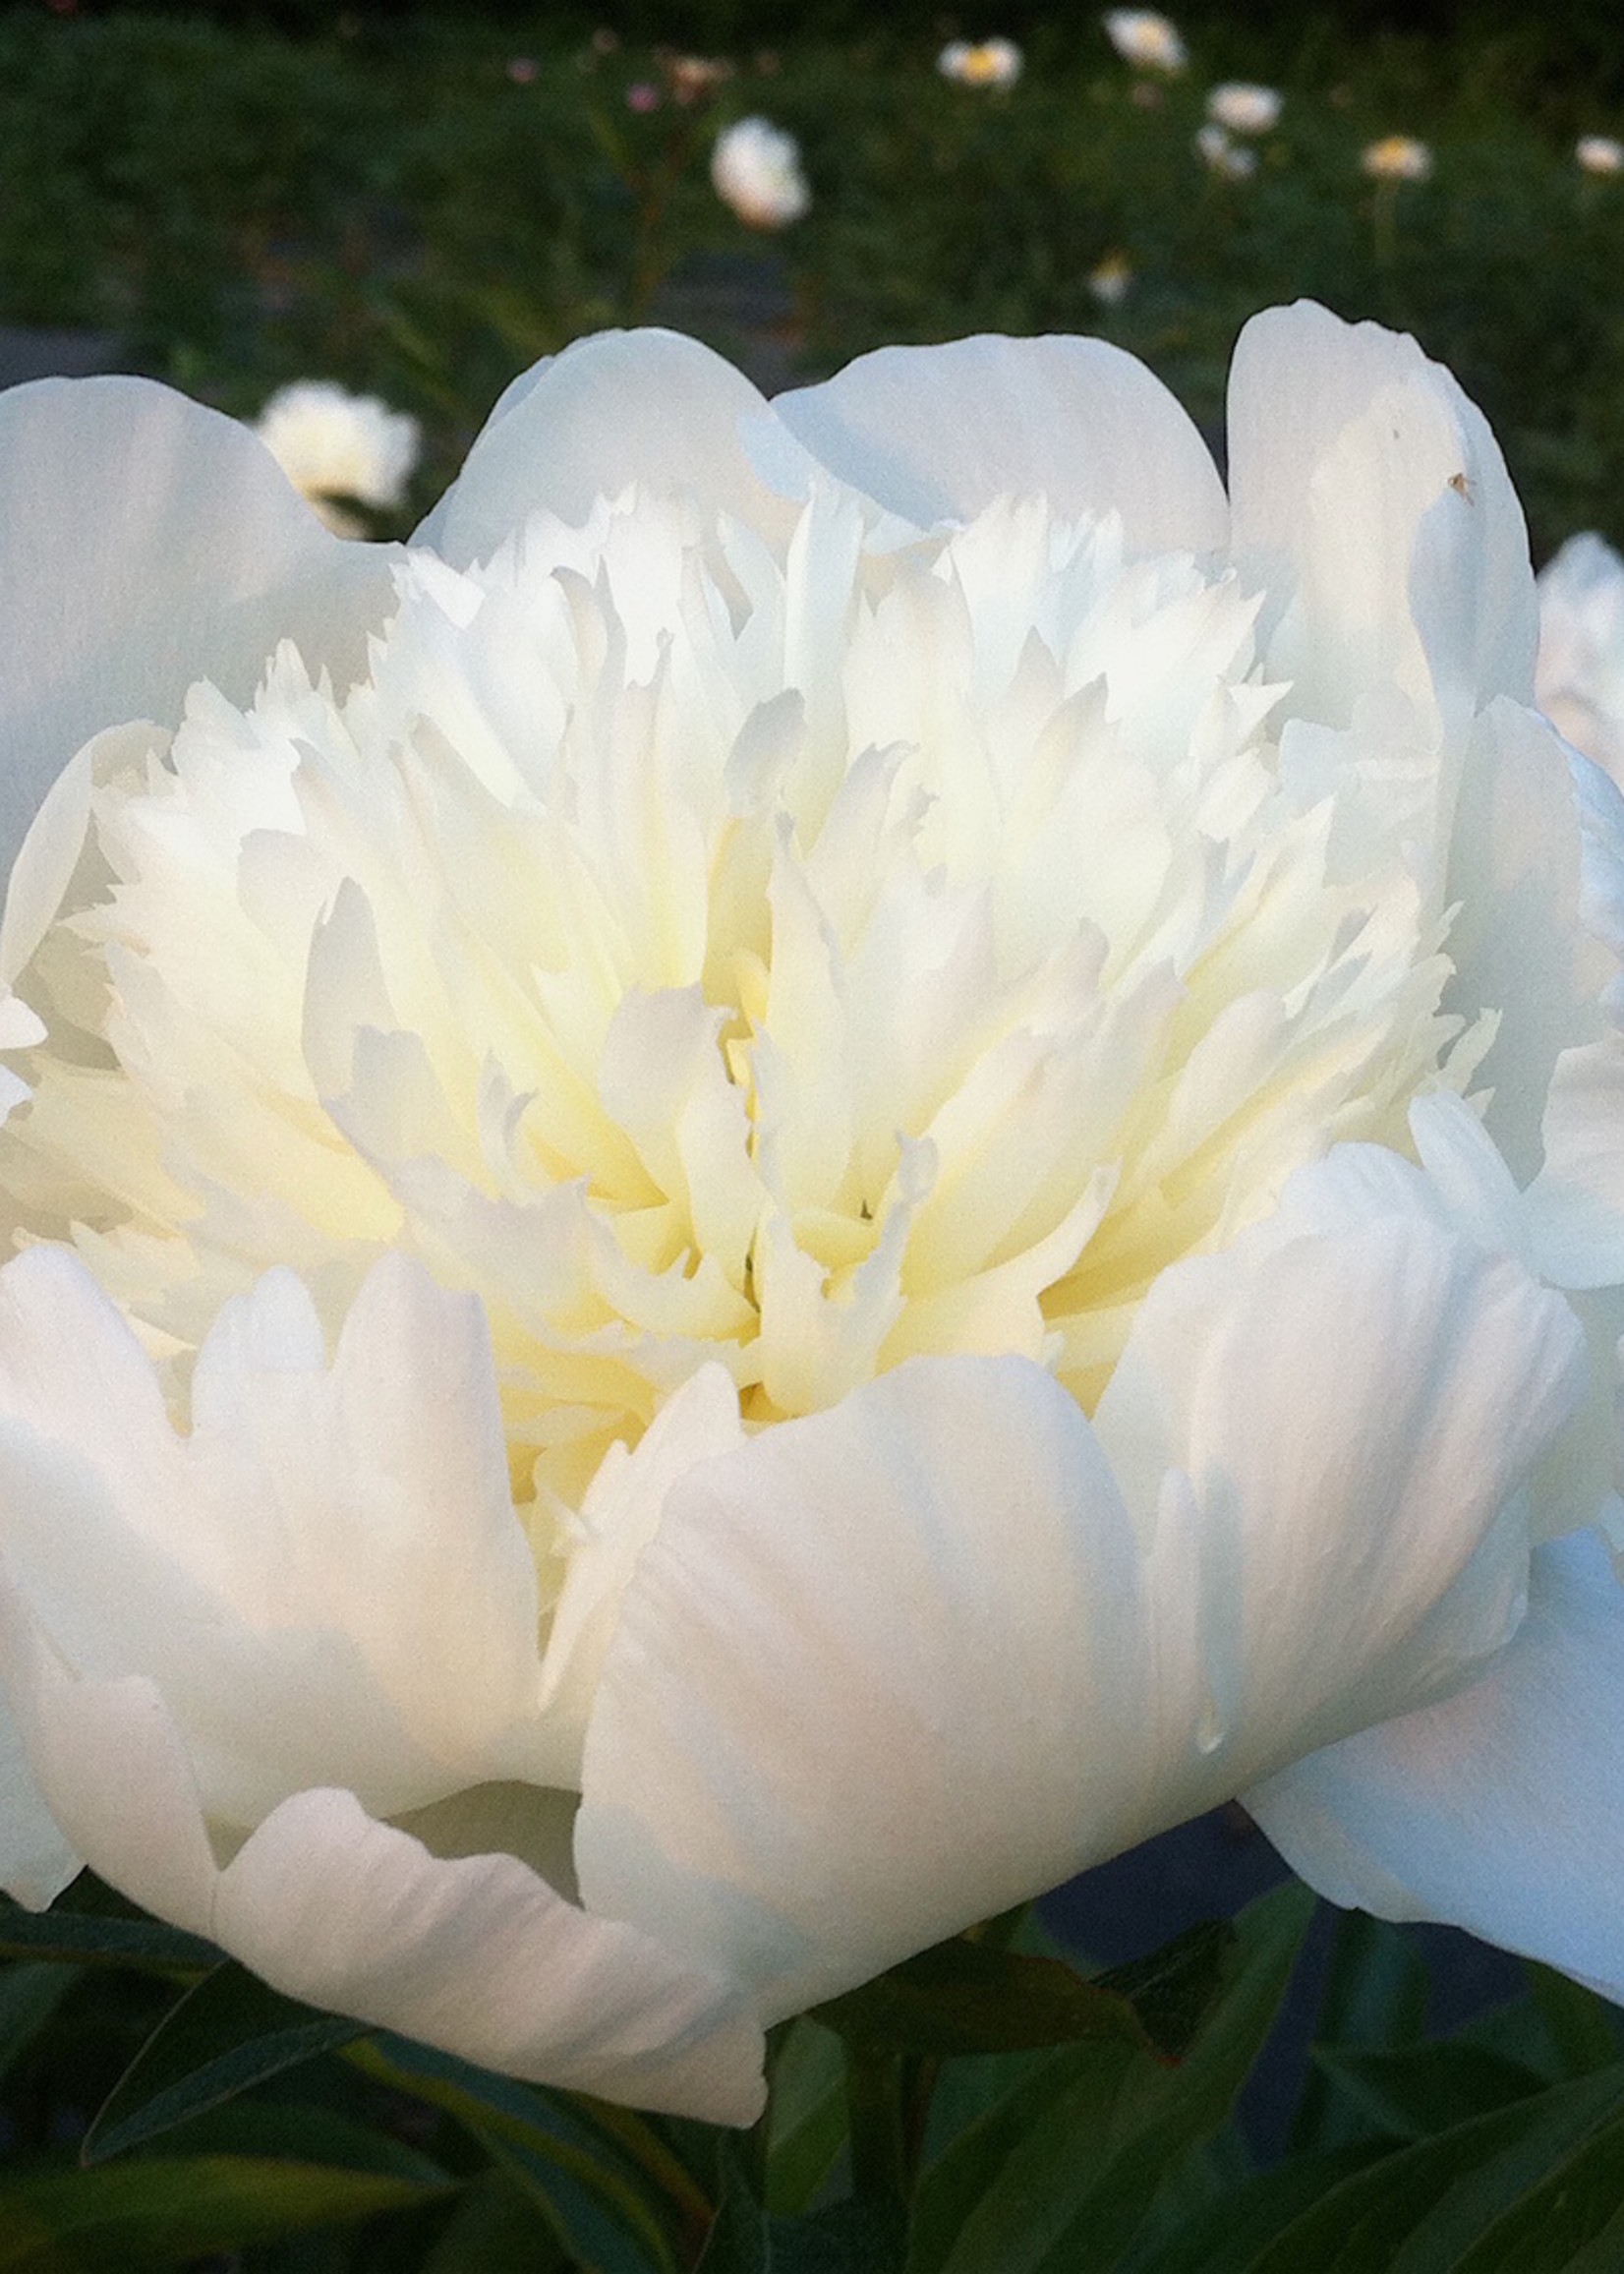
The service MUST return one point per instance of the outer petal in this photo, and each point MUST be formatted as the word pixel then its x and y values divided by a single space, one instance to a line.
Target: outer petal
pixel 623 407
pixel 873 1672
pixel 1373 508
pixel 936 433
pixel 475 1953
pixel 1517 942
pixel 1354 1395
pixel 147 542
pixel 1500 1810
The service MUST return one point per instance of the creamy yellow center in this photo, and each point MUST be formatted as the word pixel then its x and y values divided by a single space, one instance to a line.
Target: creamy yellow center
pixel 802 962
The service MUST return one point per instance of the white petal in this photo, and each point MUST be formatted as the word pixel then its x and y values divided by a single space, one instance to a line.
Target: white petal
pixel 479 1955
pixel 1576 1204
pixel 1517 944
pixel 147 542
pixel 936 433
pixel 622 407
pixel 1500 1810
pixel 475 1955
pixel 36 1861
pixel 1373 506
pixel 1355 1400
pixel 882 1673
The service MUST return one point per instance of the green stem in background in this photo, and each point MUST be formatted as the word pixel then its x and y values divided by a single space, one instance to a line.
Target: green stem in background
pixel 1386 223
pixel 874 2096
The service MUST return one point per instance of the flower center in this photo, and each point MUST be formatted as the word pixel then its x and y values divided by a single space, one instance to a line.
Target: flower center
pixel 803 961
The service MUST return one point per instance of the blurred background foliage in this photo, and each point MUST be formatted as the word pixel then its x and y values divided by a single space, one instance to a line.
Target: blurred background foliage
pixel 419 205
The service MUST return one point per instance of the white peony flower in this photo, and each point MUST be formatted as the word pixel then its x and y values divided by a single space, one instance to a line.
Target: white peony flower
pixel 332 446
pixel 1579 683
pixel 1397 159
pixel 795 1180
pixel 1599 155
pixel 981 63
pixel 756 169
pixel 1222 156
pixel 1244 108
pixel 1146 40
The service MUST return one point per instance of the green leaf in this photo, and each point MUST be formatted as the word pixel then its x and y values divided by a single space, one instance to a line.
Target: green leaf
pixel 598 2201
pixel 1584 2028
pixel 850 2238
pixel 495 2230
pixel 971 1997
pixel 1226 2235
pixel 30 1994
pixel 1424 2089
pixel 806 2120
pixel 1418 2210
pixel 231 2031
pixel 1056 2178
pixel 155 2213
pixel 1375 1997
pixel 93 1938
pixel 1572 2223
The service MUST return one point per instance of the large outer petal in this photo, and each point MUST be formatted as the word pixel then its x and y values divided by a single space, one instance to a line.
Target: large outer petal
pixel 147 542
pixel 863 1675
pixel 622 407
pixel 1500 1810
pixel 897 1666
pixel 475 1953
pixel 937 434
pixel 1372 506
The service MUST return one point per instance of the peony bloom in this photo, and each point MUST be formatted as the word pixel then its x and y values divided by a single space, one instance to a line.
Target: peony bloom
pixel 1245 109
pixel 1146 40
pixel 796 1181
pixel 1222 156
pixel 1579 683
pixel 756 169
pixel 334 445
pixel 985 63
pixel 1599 155
pixel 1397 159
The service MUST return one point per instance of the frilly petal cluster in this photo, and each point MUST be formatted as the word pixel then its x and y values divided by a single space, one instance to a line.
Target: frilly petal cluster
pixel 847 1149
pixel 756 169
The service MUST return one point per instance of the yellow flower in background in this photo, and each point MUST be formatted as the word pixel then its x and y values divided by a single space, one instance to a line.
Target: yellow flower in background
pixel 1397 159
pixel 795 1180
pixel 982 63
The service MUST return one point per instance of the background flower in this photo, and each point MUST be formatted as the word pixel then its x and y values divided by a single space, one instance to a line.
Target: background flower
pixel 789 1117
pixel 756 169
pixel 1245 108
pixel 1146 40
pixel 1599 155
pixel 1223 156
pixel 1397 159
pixel 982 63
pixel 334 445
